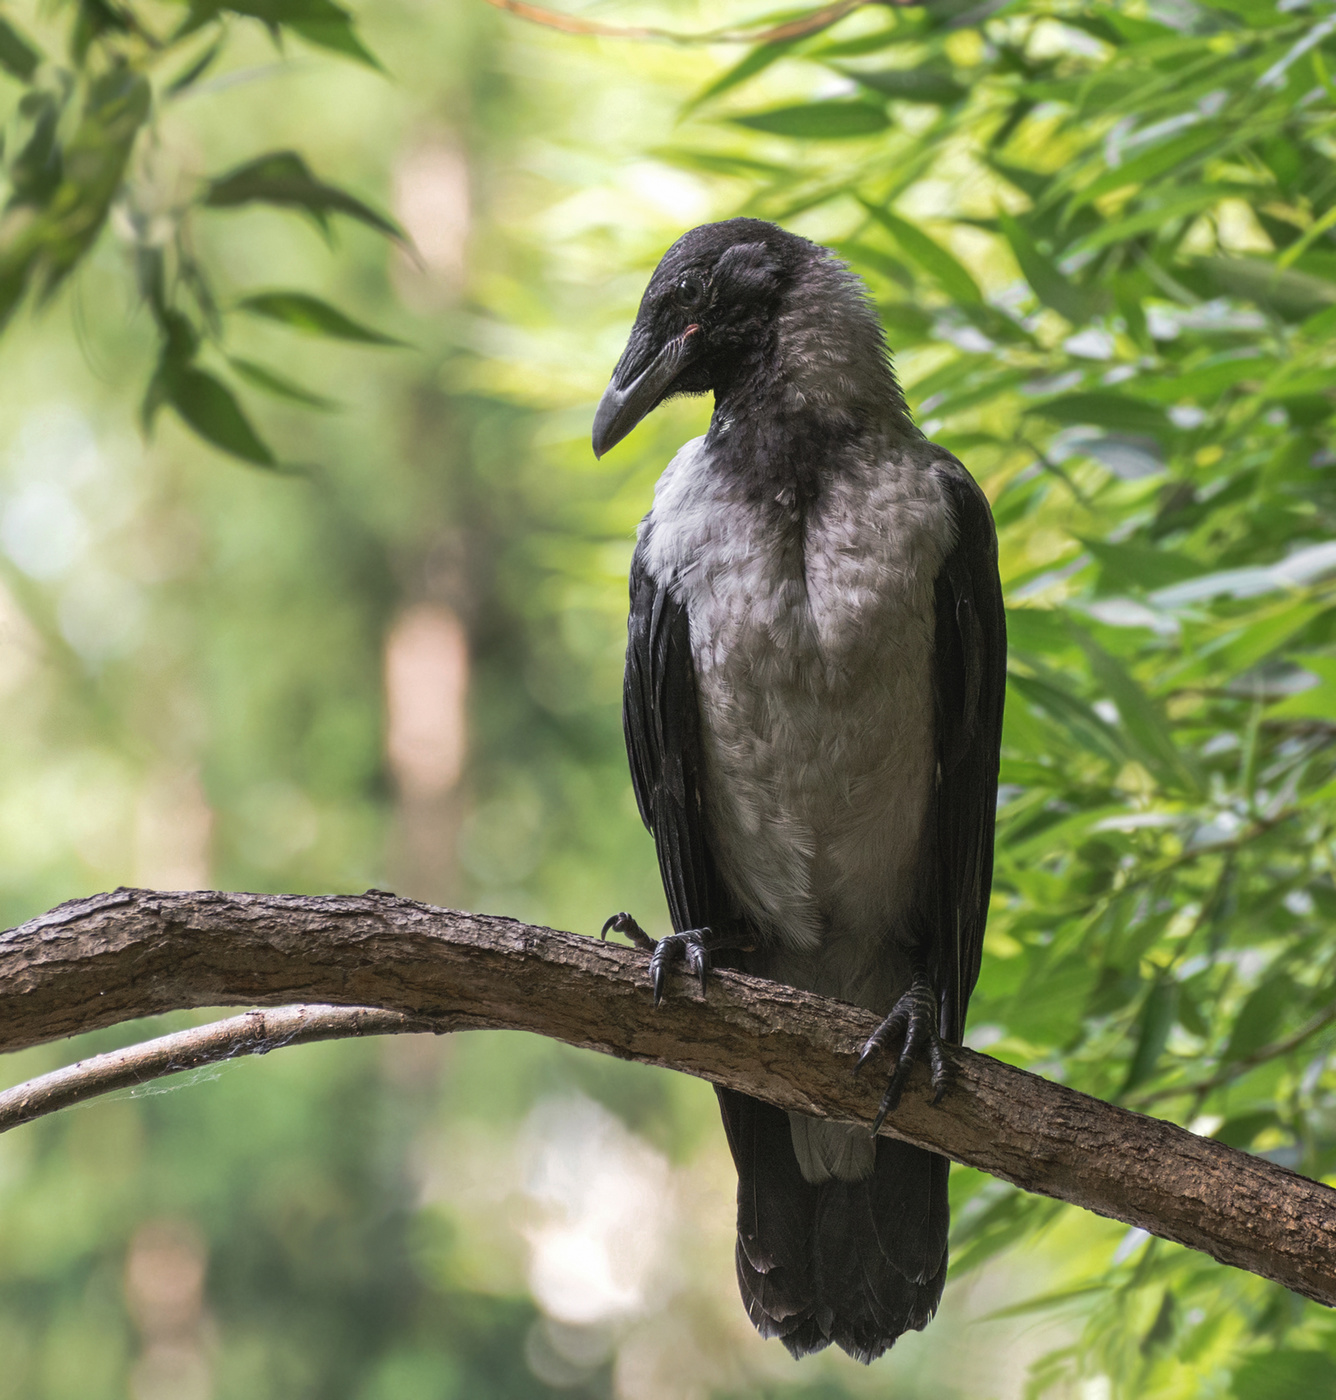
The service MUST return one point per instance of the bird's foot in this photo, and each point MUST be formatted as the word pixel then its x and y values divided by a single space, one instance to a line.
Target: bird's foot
pixel 691 947
pixel 623 923
pixel 910 1034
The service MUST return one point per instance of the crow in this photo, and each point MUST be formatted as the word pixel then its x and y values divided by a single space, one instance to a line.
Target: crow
pixel 813 710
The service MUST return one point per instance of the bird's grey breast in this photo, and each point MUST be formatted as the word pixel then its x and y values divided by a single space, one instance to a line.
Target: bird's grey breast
pixel 812 632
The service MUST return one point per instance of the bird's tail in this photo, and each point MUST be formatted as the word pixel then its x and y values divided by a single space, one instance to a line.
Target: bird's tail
pixel 856 1263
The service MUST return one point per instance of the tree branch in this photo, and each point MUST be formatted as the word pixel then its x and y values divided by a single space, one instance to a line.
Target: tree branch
pixel 253 1033
pixel 799 28
pixel 133 953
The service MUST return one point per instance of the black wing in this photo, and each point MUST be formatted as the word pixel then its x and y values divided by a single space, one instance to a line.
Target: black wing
pixel 662 722
pixel 969 688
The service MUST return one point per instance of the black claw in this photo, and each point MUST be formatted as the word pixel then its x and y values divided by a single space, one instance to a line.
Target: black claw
pixel 691 948
pixel 623 923
pixel 910 1033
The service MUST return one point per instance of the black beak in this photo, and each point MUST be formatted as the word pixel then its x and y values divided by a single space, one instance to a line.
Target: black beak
pixel 634 390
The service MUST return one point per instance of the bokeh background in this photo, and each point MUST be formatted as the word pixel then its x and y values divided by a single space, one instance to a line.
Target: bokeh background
pixel 1100 237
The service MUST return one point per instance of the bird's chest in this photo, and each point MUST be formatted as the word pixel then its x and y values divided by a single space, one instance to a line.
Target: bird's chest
pixel 813 646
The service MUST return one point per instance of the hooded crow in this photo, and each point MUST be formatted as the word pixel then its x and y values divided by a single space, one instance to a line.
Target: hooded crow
pixel 813 712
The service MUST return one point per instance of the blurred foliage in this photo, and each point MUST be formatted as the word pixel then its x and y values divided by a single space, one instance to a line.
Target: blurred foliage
pixel 1102 240
pixel 80 148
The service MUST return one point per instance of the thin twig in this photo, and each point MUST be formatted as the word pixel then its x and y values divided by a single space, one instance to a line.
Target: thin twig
pixel 253 1033
pixel 791 29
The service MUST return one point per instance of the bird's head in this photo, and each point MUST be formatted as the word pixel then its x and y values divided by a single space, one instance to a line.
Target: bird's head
pixel 711 306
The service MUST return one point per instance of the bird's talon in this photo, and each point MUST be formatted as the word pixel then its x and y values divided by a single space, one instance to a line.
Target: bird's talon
pixel 624 924
pixel 910 1034
pixel 691 948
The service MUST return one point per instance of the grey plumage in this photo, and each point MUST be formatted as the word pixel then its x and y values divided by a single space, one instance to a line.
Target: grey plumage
pixel 813 708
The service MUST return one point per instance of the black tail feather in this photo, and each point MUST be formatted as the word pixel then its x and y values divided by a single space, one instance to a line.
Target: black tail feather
pixel 856 1263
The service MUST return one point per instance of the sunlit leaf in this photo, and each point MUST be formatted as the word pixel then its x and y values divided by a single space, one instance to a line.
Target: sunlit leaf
pixel 756 61
pixel 1170 155
pixel 924 84
pixel 1162 215
pixel 929 254
pixel 1315 702
pixel 819 121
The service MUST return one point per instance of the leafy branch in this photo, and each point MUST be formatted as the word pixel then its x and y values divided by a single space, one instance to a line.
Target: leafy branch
pixel 79 148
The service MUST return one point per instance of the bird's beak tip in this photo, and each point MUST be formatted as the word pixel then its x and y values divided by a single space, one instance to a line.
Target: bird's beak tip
pixel 606 435
pixel 623 405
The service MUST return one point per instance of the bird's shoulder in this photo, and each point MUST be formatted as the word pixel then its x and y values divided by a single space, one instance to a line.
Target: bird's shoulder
pixel 691 514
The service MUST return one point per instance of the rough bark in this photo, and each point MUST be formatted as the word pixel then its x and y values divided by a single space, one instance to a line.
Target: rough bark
pixel 134 953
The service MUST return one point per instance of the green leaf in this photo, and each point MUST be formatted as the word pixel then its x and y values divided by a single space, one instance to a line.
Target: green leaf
pixel 1160 215
pixel 1043 275
pixel 1319 701
pixel 1133 566
pixel 1291 294
pixel 1267 635
pixel 307 313
pixel 19 56
pixel 1152 739
pixel 1083 725
pixel 283 178
pixel 319 22
pixel 211 408
pixel 1103 409
pixel 897 33
pixel 1259 1017
pixel 272 382
pixel 935 260
pixel 1240 1129
pixel 192 74
pixel 1285 1375
pixel 69 190
pixel 1043 1302
pixel 1153 1026
pixel 933 85
pixel 757 61
pixel 819 121
pixel 1208 381
pixel 1174 154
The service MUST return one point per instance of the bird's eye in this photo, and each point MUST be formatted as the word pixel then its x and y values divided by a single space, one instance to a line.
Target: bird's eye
pixel 690 290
